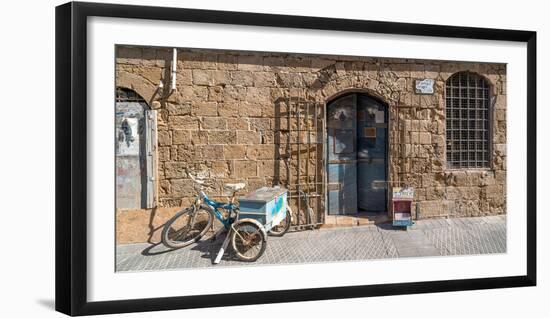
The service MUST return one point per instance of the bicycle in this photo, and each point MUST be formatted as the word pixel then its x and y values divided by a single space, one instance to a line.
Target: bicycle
pixel 247 236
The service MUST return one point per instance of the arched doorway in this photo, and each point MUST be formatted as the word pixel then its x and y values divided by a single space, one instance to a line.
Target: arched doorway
pixel 135 146
pixel 357 143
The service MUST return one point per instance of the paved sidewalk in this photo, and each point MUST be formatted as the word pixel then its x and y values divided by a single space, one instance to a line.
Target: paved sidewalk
pixel 458 236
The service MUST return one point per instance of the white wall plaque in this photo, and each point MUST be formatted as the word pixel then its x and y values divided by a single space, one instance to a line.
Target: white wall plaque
pixel 425 86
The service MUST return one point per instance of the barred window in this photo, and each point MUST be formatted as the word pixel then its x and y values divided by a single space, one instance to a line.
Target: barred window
pixel 467 120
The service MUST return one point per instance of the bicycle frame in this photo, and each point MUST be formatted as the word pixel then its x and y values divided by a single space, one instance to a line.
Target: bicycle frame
pixel 231 207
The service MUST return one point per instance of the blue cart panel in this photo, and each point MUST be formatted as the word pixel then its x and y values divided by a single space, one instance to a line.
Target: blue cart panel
pixel 266 205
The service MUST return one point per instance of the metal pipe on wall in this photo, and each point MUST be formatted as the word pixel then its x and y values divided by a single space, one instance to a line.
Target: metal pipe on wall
pixel 174 67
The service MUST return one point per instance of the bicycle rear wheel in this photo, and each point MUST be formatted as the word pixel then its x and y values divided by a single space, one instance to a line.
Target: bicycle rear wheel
pixel 248 241
pixel 186 227
pixel 283 226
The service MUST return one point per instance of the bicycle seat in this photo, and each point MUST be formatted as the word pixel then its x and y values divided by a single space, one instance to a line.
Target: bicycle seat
pixel 234 187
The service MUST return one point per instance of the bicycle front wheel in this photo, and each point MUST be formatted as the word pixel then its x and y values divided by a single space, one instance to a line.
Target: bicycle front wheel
pixel 186 227
pixel 248 241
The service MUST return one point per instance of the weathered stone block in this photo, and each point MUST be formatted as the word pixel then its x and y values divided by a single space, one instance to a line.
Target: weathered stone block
pixel 260 124
pixel 184 77
pixel 428 209
pixel 180 137
pixel 163 153
pixel 182 187
pixel 204 109
pixel 245 169
pixel 221 77
pixel 274 62
pixel 215 94
pixel 237 124
pixel 250 109
pixel 233 93
pixel 186 153
pixel 220 169
pixel 248 137
pixel 500 114
pixel 321 63
pixel 179 109
pixel 266 168
pixel 221 137
pixel 186 94
pixel 250 62
pixel 258 95
pixel 196 60
pixel 500 102
pixel 228 109
pixel 210 151
pixel 414 138
pixel 298 64
pixel 183 122
pixel 218 123
pixel 264 79
pixel 242 78
pixel 227 62
pixel 425 138
pixel 260 152
pixel 494 191
pixel 199 137
pixel 203 77
pixel 164 187
pixel 175 170
pixel 164 138
pixel 293 80
pixel 234 151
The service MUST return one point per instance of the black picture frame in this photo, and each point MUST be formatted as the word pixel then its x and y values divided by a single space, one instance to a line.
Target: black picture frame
pixel 71 157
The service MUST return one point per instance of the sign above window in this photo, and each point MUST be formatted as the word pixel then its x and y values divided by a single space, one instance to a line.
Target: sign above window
pixel 424 86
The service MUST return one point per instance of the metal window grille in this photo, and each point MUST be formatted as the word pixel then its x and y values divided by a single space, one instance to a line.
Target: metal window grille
pixel 127 95
pixel 467 121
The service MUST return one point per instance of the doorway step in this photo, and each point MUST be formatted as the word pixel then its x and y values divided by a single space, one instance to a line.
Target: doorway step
pixel 362 218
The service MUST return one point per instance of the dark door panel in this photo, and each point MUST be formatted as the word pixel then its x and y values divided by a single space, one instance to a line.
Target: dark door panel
pixel 342 156
pixel 372 154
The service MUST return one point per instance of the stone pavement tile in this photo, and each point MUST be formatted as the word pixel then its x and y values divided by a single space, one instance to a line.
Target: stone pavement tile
pixel 428 251
pixel 407 252
pixel 473 221
pixel 494 219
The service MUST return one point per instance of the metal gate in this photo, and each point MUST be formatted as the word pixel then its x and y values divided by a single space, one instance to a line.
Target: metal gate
pixel 299 134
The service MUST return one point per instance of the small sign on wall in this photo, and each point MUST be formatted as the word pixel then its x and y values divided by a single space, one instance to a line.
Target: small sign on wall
pixel 424 86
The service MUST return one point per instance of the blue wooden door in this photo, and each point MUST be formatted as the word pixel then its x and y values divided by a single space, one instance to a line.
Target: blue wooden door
pixel 356 153
pixel 342 155
pixel 371 154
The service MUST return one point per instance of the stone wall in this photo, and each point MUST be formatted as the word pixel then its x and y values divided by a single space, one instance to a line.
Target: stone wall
pixel 227 119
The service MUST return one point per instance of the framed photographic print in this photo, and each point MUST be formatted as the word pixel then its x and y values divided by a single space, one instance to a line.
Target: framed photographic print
pixel 209 158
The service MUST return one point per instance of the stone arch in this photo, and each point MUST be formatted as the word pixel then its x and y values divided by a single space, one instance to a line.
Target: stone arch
pixel 356 83
pixel 136 83
pixel 366 91
pixel 491 83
